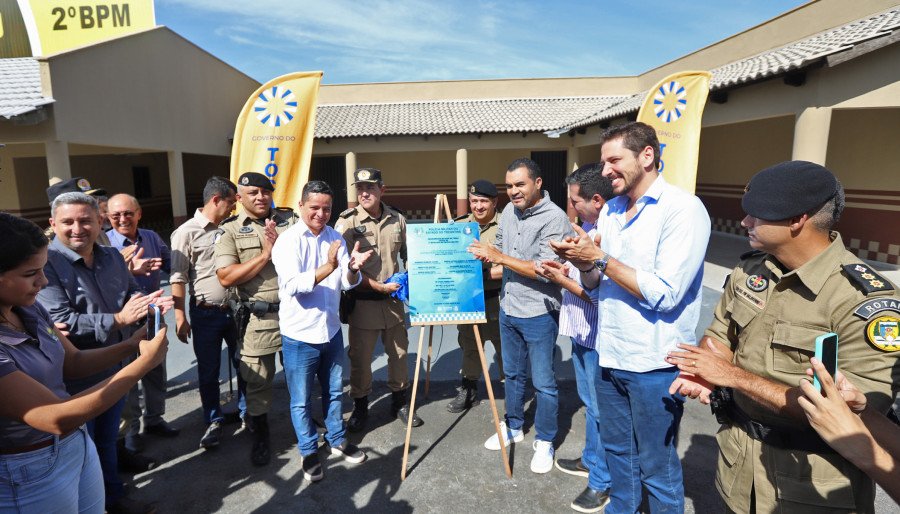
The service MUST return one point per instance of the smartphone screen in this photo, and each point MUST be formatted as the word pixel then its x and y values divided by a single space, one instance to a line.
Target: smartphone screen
pixel 826 351
pixel 152 321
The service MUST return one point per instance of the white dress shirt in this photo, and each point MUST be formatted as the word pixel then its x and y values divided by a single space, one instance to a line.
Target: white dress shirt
pixel 309 311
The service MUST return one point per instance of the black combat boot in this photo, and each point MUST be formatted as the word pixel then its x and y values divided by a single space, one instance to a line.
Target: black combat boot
pixel 400 409
pixel 260 454
pixel 357 421
pixel 466 397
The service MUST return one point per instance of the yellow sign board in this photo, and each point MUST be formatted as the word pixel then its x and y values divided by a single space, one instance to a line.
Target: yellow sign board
pixel 46 27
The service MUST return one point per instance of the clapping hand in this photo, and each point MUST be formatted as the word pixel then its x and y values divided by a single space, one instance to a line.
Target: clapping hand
pixel 580 249
pixel 357 258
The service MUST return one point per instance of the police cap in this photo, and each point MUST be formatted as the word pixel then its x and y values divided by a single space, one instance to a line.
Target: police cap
pixel 253 179
pixel 369 175
pixel 483 188
pixel 72 185
pixel 788 189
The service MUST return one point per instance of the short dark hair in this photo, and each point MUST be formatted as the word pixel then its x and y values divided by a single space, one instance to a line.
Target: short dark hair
pixel 313 187
pixel 22 239
pixel 635 136
pixel 826 216
pixel 590 181
pixel 534 171
pixel 217 186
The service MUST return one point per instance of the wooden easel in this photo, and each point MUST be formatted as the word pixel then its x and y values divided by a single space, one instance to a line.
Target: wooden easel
pixel 441 200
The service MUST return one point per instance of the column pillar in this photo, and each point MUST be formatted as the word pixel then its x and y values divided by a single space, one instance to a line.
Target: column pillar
pixel 573 161
pixel 811 128
pixel 350 167
pixel 462 181
pixel 58 160
pixel 176 187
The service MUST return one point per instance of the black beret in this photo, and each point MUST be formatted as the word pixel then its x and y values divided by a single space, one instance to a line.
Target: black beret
pixel 483 188
pixel 370 175
pixel 72 185
pixel 788 189
pixel 253 179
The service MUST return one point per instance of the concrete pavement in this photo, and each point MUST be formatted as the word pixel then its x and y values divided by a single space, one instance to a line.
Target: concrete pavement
pixel 450 471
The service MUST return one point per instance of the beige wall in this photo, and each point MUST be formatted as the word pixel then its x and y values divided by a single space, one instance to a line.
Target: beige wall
pixel 153 90
pixel 731 154
pixel 11 184
pixel 862 149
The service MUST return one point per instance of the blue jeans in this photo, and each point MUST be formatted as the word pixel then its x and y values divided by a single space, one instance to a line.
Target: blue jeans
pixel 208 328
pixel 531 340
pixel 587 380
pixel 63 477
pixel 104 430
pixel 302 363
pixel 640 432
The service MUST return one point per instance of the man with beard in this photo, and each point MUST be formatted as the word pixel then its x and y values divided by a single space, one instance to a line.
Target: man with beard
pixel 649 269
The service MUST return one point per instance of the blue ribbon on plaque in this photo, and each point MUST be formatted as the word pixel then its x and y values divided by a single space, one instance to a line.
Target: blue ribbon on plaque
pixel 445 281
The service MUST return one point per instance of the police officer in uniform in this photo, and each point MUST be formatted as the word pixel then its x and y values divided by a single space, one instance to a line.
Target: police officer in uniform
pixel 483 210
pixel 799 284
pixel 376 226
pixel 244 260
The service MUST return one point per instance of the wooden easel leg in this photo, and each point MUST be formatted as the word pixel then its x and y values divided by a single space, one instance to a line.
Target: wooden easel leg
pixel 412 403
pixel 428 364
pixel 490 391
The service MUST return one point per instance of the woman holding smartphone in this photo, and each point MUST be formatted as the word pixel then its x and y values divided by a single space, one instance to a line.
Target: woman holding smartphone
pixel 48 463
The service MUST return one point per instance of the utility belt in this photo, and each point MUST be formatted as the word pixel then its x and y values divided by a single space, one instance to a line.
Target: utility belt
pixel 259 308
pixel 727 412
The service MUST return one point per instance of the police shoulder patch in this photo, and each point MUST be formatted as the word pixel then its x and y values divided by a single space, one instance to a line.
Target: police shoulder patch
pixel 883 333
pixel 866 279
pixel 229 219
pixel 347 213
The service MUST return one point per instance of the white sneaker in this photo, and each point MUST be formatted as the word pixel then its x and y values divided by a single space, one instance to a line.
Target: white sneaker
pixel 493 443
pixel 542 462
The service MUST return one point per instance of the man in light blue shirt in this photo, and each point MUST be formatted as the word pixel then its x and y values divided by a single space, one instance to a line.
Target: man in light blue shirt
pixel 649 270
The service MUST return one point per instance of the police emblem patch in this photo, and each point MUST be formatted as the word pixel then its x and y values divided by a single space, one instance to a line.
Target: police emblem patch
pixel 84 185
pixel 471 189
pixel 245 230
pixel 245 181
pixel 883 333
pixel 363 175
pixel 757 283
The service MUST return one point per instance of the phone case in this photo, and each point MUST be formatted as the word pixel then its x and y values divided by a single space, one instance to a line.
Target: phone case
pixel 820 342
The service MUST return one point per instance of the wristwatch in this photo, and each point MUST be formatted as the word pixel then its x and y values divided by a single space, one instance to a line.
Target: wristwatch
pixel 600 264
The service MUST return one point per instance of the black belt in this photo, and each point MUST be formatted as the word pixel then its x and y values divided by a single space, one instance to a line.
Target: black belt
pixel 372 296
pixel 201 304
pixel 35 446
pixel 786 439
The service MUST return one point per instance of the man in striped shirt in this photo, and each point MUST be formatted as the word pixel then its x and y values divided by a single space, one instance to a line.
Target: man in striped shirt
pixel 588 192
